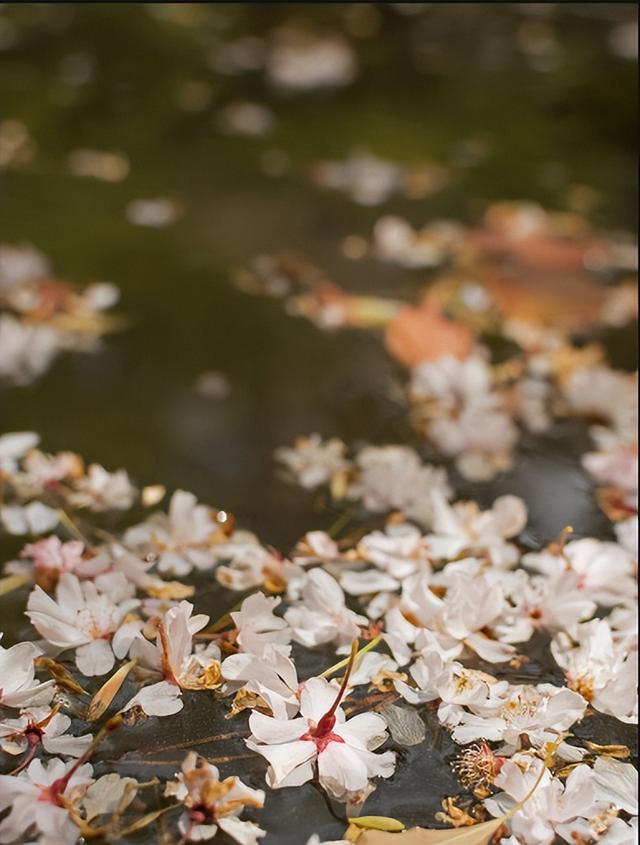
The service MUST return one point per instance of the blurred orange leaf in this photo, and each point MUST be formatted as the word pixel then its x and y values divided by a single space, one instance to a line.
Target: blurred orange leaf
pixel 424 334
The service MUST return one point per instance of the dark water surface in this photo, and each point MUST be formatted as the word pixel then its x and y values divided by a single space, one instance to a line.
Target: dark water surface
pixel 549 117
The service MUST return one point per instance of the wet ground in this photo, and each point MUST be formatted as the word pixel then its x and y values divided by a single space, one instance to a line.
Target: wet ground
pixel 518 102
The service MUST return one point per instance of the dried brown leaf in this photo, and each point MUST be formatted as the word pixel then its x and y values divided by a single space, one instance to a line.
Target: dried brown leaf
pixel 620 752
pixel 425 334
pixel 107 692
pixel 62 678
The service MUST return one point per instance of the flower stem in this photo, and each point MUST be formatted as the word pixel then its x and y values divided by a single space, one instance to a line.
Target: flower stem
pixel 368 647
pixel 345 679
pixel 337 526
pixel 28 757
pixel 70 525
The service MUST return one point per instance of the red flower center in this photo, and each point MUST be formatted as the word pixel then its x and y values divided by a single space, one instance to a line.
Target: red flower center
pixel 322 734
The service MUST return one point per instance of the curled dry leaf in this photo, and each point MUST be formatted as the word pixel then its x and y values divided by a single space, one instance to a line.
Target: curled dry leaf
pixel 378 823
pixel 62 678
pixel 107 692
pixel 620 752
pixel 171 590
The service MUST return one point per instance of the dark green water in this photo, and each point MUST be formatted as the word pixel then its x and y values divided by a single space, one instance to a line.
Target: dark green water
pixel 549 117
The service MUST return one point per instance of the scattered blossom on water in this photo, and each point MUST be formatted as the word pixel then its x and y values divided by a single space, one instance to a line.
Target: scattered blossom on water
pixel 85 618
pixel 211 803
pixel 36 798
pixel 320 738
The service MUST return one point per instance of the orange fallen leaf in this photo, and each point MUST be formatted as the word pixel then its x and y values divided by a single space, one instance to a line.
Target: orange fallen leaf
pixel 537 239
pixel 565 301
pixel 424 334
pixel 107 692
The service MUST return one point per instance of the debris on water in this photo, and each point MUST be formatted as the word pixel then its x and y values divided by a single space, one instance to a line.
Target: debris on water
pixel 370 181
pixel 212 384
pixel 97 164
pixel 16 144
pixel 154 213
pixel 299 61
pixel 246 118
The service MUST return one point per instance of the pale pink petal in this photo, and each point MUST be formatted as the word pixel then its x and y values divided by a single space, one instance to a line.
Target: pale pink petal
pixel 490 650
pixel 95 658
pixel 366 731
pixel 244 832
pixel 272 731
pixel 316 698
pixel 284 759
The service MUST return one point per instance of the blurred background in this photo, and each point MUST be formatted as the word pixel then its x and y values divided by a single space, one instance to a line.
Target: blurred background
pixel 213 125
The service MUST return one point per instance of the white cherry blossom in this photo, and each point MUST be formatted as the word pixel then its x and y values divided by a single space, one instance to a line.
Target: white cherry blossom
pixel 32 518
pixel 26 349
pixel 13 447
pixel 33 797
pixel 471 604
pixel 554 809
pixel 100 490
pixel 557 602
pixel 603 393
pixel 320 737
pixel 182 538
pixel 259 628
pixel 400 550
pixel 607 571
pixel 315 547
pixel 252 565
pixel 617 784
pixel 84 618
pixel 615 462
pixel 395 478
pixel 272 676
pixel 542 713
pixel 464 528
pixel 467 418
pixel 47 559
pixel 42 725
pixel 605 673
pixel 321 614
pixel 312 461
pixel 171 655
pixel 18 684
